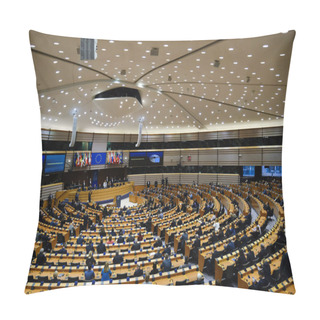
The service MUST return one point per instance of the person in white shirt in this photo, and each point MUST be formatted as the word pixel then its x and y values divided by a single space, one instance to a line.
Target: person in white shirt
pixel 216 226
pixel 257 228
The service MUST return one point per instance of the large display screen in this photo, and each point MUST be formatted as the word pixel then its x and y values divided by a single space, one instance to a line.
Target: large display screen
pixel 154 158
pixel 114 157
pixel 248 171
pixel 54 163
pixel 271 171
pixel 98 158
pixel 139 159
pixel 82 159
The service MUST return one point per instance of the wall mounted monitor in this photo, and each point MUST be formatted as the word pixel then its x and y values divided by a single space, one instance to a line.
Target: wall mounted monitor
pixel 248 171
pixel 271 171
pixel 54 163
pixel 139 159
pixel 154 158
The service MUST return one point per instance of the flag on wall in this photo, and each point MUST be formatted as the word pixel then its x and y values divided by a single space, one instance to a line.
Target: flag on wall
pixel 114 157
pixel 82 159
pixel 98 158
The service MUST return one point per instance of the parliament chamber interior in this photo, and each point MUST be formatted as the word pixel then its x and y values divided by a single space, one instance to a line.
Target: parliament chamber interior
pixel 161 163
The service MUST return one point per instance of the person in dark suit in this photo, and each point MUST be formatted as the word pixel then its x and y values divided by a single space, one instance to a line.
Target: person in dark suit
pixel 213 238
pixel 229 247
pixel 117 258
pixel 85 221
pixel 167 250
pixel 285 267
pixel 241 260
pixel 199 232
pixel 46 245
pixel 158 243
pixel 230 232
pixel 262 284
pixel 101 248
pixel 244 239
pixel 237 241
pixel 195 247
pixel 262 252
pixel 135 246
pixel 90 261
pixel 138 272
pixel 157 255
pixel 173 223
pixel 154 268
pixel 120 238
pixel 166 264
pixel 281 240
pixel 41 258
pixel 184 239
pixel 196 243
pixel 250 256
pixel 102 232
pixel 89 247
pixel 63 250
pixel 130 238
pixel 80 239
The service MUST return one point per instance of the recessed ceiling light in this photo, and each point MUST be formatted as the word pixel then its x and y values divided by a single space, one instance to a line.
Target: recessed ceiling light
pixel 56 43
pixel 265 46
pixel 231 49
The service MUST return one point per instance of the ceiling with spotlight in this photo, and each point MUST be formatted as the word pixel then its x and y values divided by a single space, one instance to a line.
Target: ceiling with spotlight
pixel 174 86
